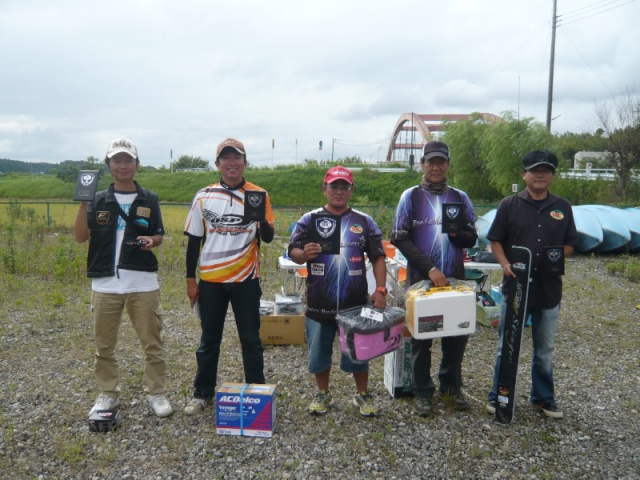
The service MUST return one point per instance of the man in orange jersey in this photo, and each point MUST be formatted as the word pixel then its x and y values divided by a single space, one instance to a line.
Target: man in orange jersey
pixel 225 243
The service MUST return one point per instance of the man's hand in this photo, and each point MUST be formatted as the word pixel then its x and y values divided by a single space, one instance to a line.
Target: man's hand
pixel 192 290
pixel 437 278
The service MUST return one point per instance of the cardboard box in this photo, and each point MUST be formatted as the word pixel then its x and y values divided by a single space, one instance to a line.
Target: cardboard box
pixel 282 329
pixel 397 370
pixel 441 312
pixel 247 409
pixel 487 310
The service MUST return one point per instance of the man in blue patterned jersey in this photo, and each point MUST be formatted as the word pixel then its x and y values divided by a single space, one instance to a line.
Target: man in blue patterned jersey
pixel 338 282
pixel 434 255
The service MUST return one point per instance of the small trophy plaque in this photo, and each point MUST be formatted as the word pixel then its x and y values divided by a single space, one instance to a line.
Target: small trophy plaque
pixel 451 217
pixel 105 420
pixel 86 185
pixel 553 261
pixel 325 230
pixel 255 205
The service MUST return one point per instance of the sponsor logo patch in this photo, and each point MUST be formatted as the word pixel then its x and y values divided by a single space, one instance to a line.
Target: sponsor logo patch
pixel 356 228
pixel 317 269
pixel 557 215
pixel 102 217
pixel 355 259
pixel 143 212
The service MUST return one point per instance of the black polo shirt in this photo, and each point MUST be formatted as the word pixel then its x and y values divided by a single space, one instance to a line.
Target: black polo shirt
pixel 520 221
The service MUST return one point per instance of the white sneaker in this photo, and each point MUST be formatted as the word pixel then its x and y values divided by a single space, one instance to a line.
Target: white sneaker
pixel 160 405
pixel 196 405
pixel 104 402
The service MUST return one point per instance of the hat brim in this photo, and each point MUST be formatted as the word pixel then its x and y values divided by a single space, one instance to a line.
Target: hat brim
pixel 335 179
pixel 431 155
pixel 241 152
pixel 546 164
pixel 120 150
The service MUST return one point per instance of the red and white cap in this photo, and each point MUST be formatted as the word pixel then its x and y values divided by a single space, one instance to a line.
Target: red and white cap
pixel 338 173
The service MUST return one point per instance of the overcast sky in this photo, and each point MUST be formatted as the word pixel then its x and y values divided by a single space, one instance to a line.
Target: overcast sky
pixel 179 76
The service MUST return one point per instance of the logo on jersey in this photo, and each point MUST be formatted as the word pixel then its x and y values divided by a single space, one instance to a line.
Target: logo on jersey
pixel 102 217
pixel 557 214
pixel 317 269
pixel 452 211
pixel 254 199
pixel 519 266
pixel 222 220
pixel 355 259
pixel 326 226
pixel 87 178
pixel 356 228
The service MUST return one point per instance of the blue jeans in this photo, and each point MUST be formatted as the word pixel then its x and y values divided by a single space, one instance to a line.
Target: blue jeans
pixel 214 301
pixel 544 323
pixel 320 339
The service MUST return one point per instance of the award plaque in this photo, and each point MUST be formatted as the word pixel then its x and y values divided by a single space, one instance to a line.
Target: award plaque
pixel 451 217
pixel 255 205
pixel 86 185
pixel 553 260
pixel 325 230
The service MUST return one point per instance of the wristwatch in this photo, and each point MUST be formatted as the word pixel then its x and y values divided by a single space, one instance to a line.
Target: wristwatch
pixel 382 290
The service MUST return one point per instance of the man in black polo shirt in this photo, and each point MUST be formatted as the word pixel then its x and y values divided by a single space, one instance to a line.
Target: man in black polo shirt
pixel 536 219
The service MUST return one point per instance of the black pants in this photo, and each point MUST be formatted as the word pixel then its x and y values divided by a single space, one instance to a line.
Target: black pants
pixel 450 374
pixel 214 301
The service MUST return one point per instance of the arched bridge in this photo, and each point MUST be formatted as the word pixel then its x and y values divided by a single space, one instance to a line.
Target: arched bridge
pixel 417 129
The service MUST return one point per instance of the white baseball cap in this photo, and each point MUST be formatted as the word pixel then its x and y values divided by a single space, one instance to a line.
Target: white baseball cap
pixel 122 145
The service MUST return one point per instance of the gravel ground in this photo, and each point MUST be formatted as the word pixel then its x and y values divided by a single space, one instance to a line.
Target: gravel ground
pixel 47 388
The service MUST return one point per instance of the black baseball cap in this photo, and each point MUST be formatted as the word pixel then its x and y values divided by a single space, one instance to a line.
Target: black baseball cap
pixel 539 157
pixel 435 149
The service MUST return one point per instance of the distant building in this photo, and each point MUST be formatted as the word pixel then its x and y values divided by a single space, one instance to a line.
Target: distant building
pixel 580 159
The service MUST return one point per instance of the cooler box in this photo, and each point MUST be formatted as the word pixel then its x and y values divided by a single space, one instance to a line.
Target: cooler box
pixel 397 370
pixel 247 409
pixel 367 332
pixel 441 312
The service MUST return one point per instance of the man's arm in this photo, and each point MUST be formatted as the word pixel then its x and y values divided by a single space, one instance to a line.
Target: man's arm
pixel 192 256
pixel 498 252
pixel 380 274
pixel 81 232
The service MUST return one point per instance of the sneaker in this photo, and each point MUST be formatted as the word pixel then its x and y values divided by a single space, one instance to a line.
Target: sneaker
pixel 160 405
pixel 105 402
pixel 320 403
pixel 364 401
pixel 491 407
pixel 422 406
pixel 457 402
pixel 196 405
pixel 551 410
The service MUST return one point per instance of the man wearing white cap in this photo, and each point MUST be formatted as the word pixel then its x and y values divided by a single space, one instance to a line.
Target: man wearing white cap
pixel 123 224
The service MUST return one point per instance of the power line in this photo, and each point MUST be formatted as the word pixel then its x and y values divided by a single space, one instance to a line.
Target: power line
pixel 581 16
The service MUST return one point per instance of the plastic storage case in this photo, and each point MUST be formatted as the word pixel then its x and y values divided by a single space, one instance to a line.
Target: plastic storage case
pixel 441 311
pixel 367 332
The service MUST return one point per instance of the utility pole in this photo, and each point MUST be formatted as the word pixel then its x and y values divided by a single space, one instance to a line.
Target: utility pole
pixel 554 21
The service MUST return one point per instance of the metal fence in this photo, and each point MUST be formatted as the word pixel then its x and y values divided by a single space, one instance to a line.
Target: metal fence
pixel 62 214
